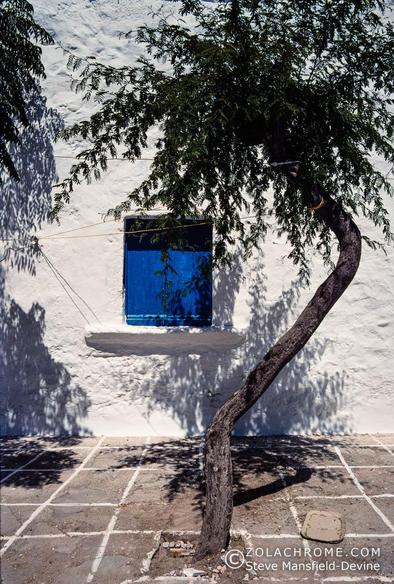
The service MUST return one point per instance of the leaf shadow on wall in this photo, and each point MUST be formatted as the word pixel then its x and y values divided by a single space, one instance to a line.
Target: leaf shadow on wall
pixel 26 203
pixel 38 395
pixel 192 387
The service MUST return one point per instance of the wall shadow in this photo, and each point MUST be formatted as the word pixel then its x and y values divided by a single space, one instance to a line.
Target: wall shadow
pixel 25 204
pixel 38 395
pixel 192 387
pixel 189 387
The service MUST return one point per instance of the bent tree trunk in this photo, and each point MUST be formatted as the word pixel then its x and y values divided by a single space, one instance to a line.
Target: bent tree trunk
pixel 218 467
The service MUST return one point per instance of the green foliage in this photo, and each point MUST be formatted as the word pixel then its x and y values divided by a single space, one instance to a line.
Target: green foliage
pixel 20 70
pixel 248 83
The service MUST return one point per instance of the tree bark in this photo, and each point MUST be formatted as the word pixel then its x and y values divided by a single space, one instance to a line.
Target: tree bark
pixel 218 466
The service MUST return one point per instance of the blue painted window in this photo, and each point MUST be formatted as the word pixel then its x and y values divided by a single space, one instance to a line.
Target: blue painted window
pixel 168 285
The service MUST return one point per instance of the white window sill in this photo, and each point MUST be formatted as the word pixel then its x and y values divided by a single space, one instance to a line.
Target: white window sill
pixel 146 340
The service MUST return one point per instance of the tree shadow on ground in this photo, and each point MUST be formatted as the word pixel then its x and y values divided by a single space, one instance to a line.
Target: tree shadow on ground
pixel 13 455
pixel 260 469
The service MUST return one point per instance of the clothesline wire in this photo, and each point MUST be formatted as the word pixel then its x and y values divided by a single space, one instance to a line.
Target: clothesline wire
pixel 71 288
pixel 134 232
pixel 53 270
pixel 78 228
pixel 86 226
pixel 138 231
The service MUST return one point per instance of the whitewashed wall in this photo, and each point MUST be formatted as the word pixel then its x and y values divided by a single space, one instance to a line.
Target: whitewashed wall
pixel 54 383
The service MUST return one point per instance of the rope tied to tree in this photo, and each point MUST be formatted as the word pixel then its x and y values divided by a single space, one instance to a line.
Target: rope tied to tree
pixel 285 163
pixel 318 206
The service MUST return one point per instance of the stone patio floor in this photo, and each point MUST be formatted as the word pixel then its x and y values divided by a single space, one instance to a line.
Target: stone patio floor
pixel 80 510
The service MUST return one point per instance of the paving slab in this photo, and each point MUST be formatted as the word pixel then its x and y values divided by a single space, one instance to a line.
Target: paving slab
pixel 385 438
pixel 32 487
pixel 124 558
pixel 57 520
pixel 267 483
pixel 263 515
pixel 307 456
pixel 376 481
pixel 59 459
pixel 95 486
pixel 161 454
pixel 124 441
pixel 364 455
pixel 255 460
pixel 181 512
pixel 47 442
pixel 65 441
pixel 300 440
pixel 386 506
pixel 331 482
pixel 360 517
pixel 117 457
pixel 11 518
pixel 162 485
pixel 15 443
pixel 175 454
pixel 354 439
pixel 4 474
pixel 16 458
pixel 49 561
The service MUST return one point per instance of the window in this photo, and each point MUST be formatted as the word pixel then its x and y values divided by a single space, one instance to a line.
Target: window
pixel 168 285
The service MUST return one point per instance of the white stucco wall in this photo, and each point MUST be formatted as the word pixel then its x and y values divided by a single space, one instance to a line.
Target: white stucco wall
pixel 54 383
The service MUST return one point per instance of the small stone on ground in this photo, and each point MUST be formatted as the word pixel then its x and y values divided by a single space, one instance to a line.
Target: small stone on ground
pixel 325 526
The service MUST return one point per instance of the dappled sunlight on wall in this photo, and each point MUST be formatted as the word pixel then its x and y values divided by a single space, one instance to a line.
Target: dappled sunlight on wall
pixel 190 388
pixel 38 394
pixel 53 382
pixel 26 203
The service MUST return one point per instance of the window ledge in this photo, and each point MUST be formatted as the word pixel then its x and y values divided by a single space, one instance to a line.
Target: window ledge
pixel 146 340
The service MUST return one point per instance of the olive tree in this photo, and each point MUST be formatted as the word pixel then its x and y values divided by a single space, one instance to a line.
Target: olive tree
pixel 291 97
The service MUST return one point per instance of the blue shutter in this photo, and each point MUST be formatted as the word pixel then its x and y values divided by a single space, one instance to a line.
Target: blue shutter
pixel 173 293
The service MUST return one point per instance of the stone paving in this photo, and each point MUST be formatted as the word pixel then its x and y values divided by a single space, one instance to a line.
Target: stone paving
pixel 80 510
